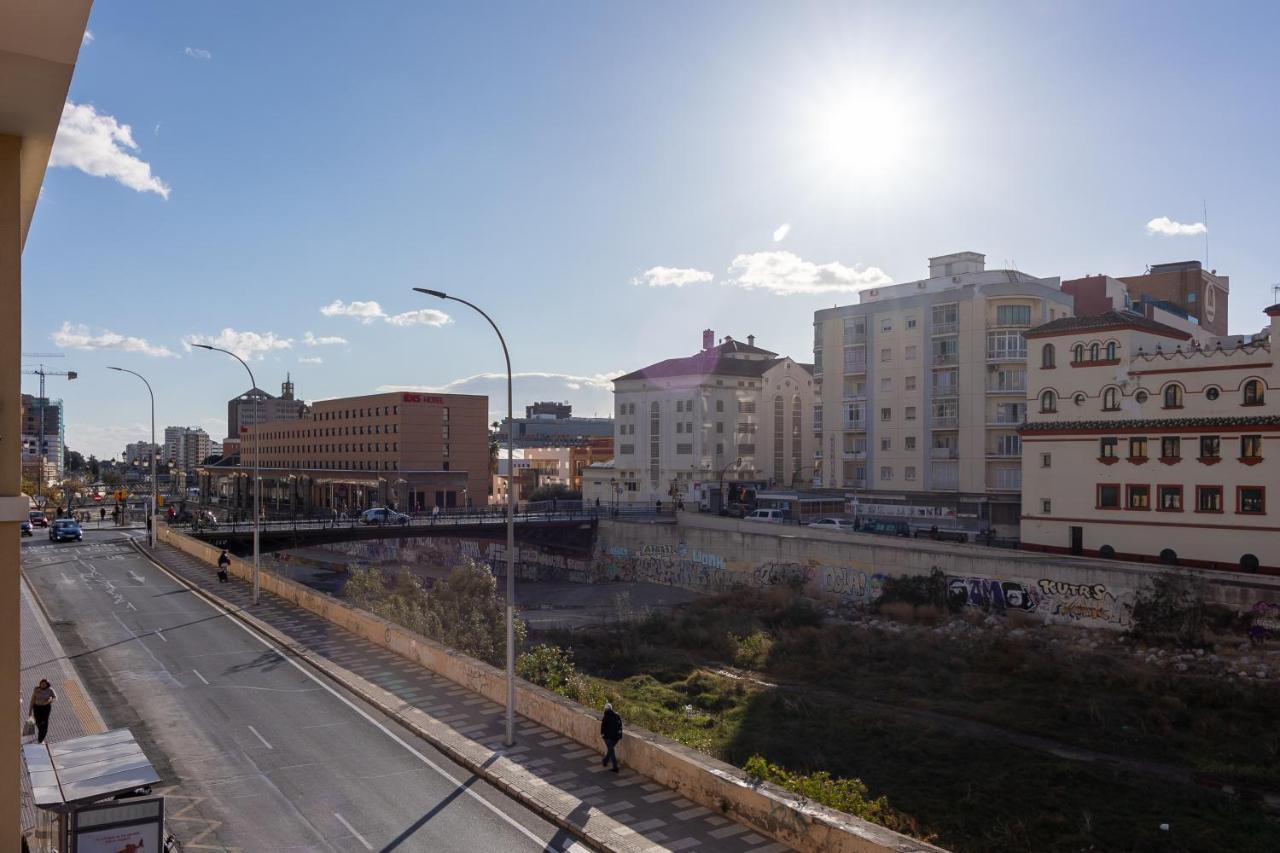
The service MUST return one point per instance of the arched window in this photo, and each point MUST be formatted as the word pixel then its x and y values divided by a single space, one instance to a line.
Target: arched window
pixel 1173 396
pixel 1094 352
pixel 1253 392
pixel 1048 402
pixel 1077 353
pixel 1046 355
pixel 1111 350
pixel 1110 399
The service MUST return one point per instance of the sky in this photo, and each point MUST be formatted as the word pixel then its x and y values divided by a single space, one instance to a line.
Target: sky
pixel 606 181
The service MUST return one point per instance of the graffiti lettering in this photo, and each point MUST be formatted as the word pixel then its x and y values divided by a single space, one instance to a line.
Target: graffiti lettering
pixel 1097 591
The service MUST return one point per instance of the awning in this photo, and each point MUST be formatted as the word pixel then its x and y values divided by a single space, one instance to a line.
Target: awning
pixel 86 769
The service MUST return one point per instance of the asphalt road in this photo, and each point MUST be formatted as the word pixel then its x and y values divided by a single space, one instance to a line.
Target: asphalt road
pixel 264 754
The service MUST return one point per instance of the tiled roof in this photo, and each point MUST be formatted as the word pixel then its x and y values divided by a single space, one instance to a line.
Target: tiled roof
pixel 739 347
pixel 709 363
pixel 1105 320
pixel 1154 423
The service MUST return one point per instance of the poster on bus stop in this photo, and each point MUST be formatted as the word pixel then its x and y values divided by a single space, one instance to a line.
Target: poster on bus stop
pixel 144 838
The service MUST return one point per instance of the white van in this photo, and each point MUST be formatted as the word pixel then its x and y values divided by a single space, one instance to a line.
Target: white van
pixel 771 516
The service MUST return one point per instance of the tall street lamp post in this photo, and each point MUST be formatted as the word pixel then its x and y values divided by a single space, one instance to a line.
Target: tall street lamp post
pixel 511 520
pixel 723 503
pixel 151 523
pixel 257 481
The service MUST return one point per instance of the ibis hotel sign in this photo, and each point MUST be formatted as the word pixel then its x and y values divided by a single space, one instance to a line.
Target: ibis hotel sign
pixel 422 398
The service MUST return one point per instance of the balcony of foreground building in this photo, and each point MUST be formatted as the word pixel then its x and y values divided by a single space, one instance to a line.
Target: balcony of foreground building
pixel 944 476
pixel 854 366
pixel 1006 421
pixel 944 422
pixel 1017 387
pixel 855 426
pixel 944 359
pixel 995 356
pixel 855 454
pixel 1005 452
pixel 944 452
pixel 945 328
pixel 1004 480
pixel 946 389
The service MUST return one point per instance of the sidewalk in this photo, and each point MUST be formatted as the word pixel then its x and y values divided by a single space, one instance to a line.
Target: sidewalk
pixel 655 817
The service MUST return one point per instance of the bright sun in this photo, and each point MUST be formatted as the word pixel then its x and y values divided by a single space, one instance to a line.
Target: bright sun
pixel 862 134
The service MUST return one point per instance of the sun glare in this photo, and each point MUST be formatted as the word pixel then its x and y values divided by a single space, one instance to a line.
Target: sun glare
pixel 862 134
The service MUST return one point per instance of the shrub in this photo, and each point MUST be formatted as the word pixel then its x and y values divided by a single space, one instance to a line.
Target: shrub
pixel 930 589
pixel 552 667
pixel 1169 607
pixel 847 795
pixel 752 651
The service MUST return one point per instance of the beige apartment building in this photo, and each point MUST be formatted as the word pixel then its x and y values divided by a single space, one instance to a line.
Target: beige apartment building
pixel 923 388
pixel 1144 442
pixel 412 451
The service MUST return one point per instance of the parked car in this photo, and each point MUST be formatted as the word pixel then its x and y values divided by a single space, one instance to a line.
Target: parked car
pixel 943 535
pixel 38 518
pixel 832 524
pixel 735 510
pixel 771 516
pixel 65 530
pixel 887 528
pixel 383 515
pixel 26 528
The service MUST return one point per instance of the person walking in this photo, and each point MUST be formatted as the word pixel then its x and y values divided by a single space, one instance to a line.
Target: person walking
pixel 41 705
pixel 611 731
pixel 224 562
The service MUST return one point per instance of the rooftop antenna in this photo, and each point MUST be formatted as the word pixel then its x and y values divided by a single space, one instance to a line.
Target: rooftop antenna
pixel 1205 202
pixel 1275 294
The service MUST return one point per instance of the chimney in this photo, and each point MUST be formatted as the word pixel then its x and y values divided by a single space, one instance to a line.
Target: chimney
pixel 751 340
pixel 708 339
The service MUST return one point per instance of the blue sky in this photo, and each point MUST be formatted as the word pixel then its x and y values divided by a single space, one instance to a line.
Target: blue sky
pixel 607 181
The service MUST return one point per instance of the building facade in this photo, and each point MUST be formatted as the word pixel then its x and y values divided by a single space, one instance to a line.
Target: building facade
pixel 1144 443
pixel 41 415
pixel 1187 287
pixel 257 406
pixel 922 389
pixel 733 411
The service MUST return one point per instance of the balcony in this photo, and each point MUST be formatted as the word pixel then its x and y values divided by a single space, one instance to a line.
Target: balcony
pixel 854 396
pixel 944 422
pixel 944 453
pixel 945 328
pixel 944 358
pixel 1007 354
pixel 950 389
pixel 851 338
pixel 1008 387
pixel 1004 453
pixel 855 426
pixel 1004 480
pixel 859 366
pixel 1006 420
pixel 855 454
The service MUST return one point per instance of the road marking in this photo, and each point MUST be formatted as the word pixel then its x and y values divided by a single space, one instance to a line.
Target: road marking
pixel 261 738
pixel 342 820
pixel 135 576
pixel 129 604
pixel 157 633
pixel 201 677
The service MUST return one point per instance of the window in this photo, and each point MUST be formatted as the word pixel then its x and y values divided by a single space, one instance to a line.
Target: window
pixel 1077 353
pixel 684 449
pixel 719 405
pixel 886 472
pixel 679 405
pixel 1047 356
pixel 1251 500
pixel 1046 506
pixel 1138 497
pixel 1170 447
pixel 1169 498
pixel 1107 447
pixel 679 427
pixel 746 427
pixel 1250 447
pixel 1095 352
pixel 720 449
pixel 1048 402
pixel 909 413
pixel 909 383
pixel 886 444
pixel 886 325
pixel 886 355
pixel 910 353
pixel 1008 445
pixel 910 442
pixel 1253 393
pixel 1208 498
pixel 1108 496
pixel 1212 393
pixel 1210 447
pixel 886 383
pixel 1110 400
pixel 1013 315
pixel 909 472
pixel 720 427
pixel 1006 345
pixel 1046 460
pixel 746 407
pixel 911 322
pixel 1111 350
pixel 746 450
pixel 945 316
pixel 1173 396
pixel 886 414
pixel 1138 448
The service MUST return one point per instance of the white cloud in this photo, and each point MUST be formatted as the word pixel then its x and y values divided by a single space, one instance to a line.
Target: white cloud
pixel 313 359
pixel 785 273
pixel 780 233
pixel 78 337
pixel 98 145
pixel 591 395
pixel 602 381
pixel 198 53
pixel 1166 227
pixel 322 341
pixel 671 277
pixel 420 317
pixel 247 345
pixel 87 38
pixel 367 312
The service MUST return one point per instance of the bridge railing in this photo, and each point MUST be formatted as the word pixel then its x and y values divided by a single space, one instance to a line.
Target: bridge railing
pixel 461 518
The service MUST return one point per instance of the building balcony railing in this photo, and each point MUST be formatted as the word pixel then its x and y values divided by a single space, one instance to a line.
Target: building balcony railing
pixel 951 389
pixel 852 338
pixel 1007 387
pixel 855 454
pixel 859 484
pixel 1005 480
pixel 944 453
pixel 1004 453
pixel 945 358
pixel 944 421
pixel 855 426
pixel 1007 421
pixel 945 328
pixel 854 396
pixel 855 366
pixel 1006 355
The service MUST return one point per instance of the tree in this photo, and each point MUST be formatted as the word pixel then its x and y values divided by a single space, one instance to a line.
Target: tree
pixel 75 460
pixel 554 491
pixel 95 468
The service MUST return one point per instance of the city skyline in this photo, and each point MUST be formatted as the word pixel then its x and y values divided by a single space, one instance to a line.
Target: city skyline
pixel 736 172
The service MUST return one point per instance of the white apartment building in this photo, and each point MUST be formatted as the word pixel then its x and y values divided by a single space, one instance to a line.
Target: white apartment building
pixel 733 411
pixel 922 388
pixel 185 447
pixel 1144 442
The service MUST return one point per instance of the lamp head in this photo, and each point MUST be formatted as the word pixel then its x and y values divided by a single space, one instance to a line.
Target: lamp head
pixel 203 346
pixel 438 294
pixel 109 367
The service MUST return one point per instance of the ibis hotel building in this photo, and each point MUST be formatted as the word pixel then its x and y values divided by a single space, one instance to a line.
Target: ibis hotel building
pixel 411 451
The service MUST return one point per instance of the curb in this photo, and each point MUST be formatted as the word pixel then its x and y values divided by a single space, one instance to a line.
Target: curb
pixel 490 765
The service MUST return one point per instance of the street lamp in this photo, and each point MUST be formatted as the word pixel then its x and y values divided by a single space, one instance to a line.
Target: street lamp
pixel 738 461
pixel 151 524
pixel 511 520
pixel 257 482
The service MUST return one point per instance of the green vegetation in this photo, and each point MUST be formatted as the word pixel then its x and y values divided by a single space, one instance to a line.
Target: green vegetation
pixel 847 795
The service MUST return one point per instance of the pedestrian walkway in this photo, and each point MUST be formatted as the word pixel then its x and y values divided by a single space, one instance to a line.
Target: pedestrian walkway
pixel 659 818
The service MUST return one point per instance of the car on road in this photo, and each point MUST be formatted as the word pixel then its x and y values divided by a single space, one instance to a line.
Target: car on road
pixel 25 528
pixel 832 524
pixel 38 518
pixel 735 510
pixel 65 530
pixel 769 516
pixel 887 528
pixel 383 515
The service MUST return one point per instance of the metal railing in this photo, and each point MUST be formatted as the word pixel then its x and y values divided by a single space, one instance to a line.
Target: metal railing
pixel 945 357
pixel 944 452
pixel 944 421
pixel 945 328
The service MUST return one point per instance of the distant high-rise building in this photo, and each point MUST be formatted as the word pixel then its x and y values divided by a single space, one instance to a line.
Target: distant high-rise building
pixel 257 406
pixel 554 410
pixel 38 411
pixel 1187 286
pixel 185 447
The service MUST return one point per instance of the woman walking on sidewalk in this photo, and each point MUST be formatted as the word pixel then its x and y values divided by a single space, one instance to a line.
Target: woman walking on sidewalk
pixel 611 731
pixel 41 705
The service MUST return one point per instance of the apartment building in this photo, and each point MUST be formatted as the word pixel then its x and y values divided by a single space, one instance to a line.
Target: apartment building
pixel 922 389
pixel 1144 443
pixel 733 410
pixel 43 416
pixel 185 447
pixel 256 406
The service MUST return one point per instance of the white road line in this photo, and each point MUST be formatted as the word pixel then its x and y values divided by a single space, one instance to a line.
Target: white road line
pixel 342 820
pixel 160 635
pixel 467 790
pixel 201 677
pixel 261 738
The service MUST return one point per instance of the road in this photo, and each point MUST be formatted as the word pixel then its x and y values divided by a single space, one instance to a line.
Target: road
pixel 264 754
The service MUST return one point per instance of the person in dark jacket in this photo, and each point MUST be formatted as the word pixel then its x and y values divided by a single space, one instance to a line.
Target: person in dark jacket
pixel 611 731
pixel 224 563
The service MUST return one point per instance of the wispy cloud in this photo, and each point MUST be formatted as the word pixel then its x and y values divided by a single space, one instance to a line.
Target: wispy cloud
pixel 671 277
pixel 322 341
pixel 87 38
pixel 198 53
pixel 78 336
pixel 1166 227
pixel 247 345
pixel 786 273
pixel 780 233
pixel 368 312
pixel 98 145
pixel 310 359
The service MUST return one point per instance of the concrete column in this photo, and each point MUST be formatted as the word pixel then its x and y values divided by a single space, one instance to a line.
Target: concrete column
pixel 11 508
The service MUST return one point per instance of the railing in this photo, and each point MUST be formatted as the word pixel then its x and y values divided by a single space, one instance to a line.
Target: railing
pixel 449 518
pixel 1007 421
pixel 945 357
pixel 854 395
pixel 944 421
pixel 950 389
pixel 853 338
pixel 859 366
pixel 1007 387
pixel 1007 354
pixel 944 452
pixel 855 454
pixel 945 328
pixel 860 425
pixel 1004 453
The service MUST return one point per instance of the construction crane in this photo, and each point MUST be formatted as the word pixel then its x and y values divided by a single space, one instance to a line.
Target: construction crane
pixel 40 371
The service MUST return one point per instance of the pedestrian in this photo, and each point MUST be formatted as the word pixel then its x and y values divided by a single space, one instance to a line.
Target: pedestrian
pixel 41 705
pixel 102 514
pixel 611 731
pixel 224 562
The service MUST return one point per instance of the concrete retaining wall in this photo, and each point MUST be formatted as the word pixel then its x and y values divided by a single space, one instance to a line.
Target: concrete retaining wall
pixel 714 784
